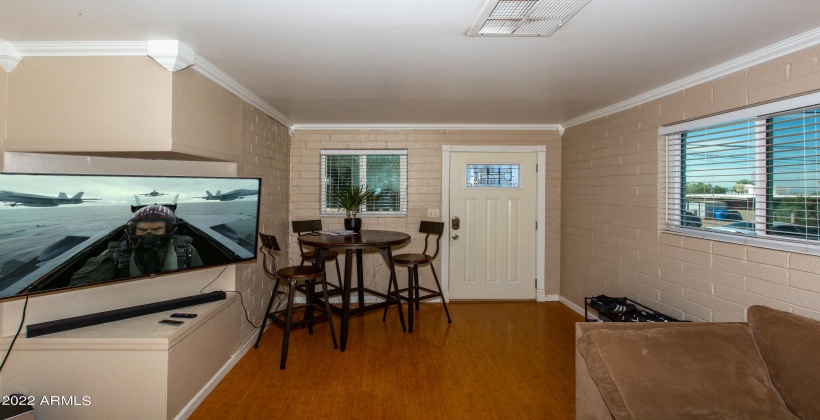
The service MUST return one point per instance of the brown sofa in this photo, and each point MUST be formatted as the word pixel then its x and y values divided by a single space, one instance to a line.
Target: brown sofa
pixel 765 368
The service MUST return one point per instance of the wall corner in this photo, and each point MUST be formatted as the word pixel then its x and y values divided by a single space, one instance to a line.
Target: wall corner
pixel 171 54
pixel 9 57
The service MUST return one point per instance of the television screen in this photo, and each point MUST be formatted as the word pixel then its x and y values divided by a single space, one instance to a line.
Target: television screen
pixel 66 231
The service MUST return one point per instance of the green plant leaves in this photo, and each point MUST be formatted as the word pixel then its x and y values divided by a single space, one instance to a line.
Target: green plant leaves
pixel 352 197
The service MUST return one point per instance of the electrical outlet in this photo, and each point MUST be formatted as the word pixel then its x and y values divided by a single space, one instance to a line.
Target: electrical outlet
pixel 432 213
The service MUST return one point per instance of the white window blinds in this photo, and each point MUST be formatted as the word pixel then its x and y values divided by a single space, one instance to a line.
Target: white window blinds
pixel 382 171
pixel 756 177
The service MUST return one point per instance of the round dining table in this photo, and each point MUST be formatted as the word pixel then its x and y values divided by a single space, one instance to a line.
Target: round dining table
pixel 383 240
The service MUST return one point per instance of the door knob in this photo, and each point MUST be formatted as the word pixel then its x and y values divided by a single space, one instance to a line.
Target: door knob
pixel 455 237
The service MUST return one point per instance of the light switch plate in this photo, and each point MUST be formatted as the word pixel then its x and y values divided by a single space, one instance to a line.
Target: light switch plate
pixel 432 213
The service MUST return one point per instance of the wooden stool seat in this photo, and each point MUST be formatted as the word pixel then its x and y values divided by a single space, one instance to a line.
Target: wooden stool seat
pixel 300 272
pixel 411 259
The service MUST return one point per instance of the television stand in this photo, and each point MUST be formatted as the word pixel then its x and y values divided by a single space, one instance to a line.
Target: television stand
pixel 134 368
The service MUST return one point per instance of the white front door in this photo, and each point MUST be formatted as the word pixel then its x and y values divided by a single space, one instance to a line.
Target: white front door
pixel 492 252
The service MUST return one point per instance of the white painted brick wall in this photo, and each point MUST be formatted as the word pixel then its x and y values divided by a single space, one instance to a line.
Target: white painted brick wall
pixel 612 193
pixel 267 158
pixel 423 189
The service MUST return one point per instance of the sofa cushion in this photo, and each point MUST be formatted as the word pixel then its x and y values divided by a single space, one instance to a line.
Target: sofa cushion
pixel 790 346
pixel 700 370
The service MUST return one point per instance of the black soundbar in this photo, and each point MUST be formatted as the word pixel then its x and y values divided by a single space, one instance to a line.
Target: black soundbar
pixel 51 327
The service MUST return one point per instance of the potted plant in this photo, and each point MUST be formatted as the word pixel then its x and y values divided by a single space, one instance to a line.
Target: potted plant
pixel 351 199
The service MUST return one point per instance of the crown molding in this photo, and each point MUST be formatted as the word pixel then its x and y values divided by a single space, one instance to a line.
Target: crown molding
pixel 82 48
pixel 171 54
pixel 393 127
pixel 9 57
pixel 787 46
pixel 217 76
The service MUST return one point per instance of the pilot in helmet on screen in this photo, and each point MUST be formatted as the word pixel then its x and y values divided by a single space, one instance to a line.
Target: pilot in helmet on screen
pixel 150 246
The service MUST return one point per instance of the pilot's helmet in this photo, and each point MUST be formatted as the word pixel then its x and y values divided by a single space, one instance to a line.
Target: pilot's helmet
pixel 153 213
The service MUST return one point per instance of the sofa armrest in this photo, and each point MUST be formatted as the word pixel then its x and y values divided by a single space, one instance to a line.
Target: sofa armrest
pixel 589 404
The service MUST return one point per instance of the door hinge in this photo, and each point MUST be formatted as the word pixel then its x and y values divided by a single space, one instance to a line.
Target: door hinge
pixel 536 225
pixel 536 167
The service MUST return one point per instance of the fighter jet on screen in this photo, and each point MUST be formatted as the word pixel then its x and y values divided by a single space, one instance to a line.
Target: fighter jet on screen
pixel 154 193
pixel 230 195
pixel 34 200
pixel 172 205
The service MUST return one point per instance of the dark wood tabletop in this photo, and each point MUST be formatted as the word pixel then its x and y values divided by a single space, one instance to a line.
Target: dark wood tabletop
pixel 363 239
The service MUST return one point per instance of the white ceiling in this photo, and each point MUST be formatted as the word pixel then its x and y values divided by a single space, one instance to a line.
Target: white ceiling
pixel 404 62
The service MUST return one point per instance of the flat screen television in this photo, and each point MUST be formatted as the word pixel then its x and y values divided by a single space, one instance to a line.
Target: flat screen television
pixel 60 232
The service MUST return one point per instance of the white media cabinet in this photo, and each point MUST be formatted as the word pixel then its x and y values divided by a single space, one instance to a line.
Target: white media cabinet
pixel 130 369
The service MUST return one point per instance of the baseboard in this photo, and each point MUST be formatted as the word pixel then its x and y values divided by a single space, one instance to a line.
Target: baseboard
pixel 568 303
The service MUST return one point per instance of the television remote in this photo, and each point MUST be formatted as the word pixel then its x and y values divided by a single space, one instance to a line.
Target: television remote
pixel 171 322
pixel 182 315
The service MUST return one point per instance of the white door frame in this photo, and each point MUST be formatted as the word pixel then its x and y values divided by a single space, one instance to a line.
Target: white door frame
pixel 540 237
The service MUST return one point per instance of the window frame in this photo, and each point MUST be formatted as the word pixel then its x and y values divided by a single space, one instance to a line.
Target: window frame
pixel 675 178
pixel 362 155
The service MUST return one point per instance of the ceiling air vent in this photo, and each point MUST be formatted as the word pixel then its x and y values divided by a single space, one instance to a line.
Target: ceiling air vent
pixel 525 17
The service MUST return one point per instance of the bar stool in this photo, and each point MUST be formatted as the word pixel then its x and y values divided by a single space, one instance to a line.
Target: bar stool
pixel 292 275
pixel 307 227
pixel 412 261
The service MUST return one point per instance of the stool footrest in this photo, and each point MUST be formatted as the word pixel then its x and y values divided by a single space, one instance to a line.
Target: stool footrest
pixel 331 288
pixel 278 316
pixel 430 294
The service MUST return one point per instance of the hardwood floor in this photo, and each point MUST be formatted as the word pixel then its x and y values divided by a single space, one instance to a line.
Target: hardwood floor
pixel 497 360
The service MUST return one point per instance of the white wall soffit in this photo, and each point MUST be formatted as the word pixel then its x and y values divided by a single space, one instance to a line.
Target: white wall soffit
pixel 171 54
pixel 388 127
pixel 788 46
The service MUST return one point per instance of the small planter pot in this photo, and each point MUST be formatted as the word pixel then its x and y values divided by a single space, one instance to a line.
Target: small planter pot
pixel 354 224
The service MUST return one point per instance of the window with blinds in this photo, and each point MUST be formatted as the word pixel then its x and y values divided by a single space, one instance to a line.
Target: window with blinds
pixel 382 171
pixel 755 177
